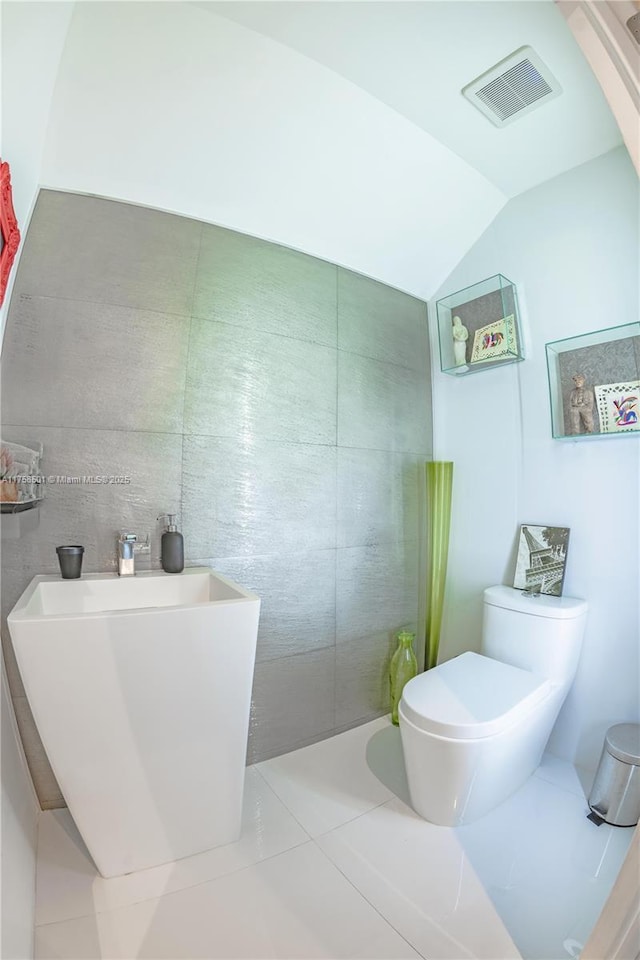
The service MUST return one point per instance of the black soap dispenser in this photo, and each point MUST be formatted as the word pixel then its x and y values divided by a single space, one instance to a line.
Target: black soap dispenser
pixel 172 546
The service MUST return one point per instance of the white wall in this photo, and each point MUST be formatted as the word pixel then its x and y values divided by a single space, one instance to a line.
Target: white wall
pixel 20 811
pixel 571 246
pixel 33 36
pixel 394 51
pixel 612 53
pixel 32 39
pixel 170 106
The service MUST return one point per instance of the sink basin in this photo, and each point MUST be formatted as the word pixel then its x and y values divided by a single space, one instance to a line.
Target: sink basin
pixel 102 592
pixel 140 688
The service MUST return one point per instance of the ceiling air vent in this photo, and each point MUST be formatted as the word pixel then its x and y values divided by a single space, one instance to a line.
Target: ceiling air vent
pixel 633 23
pixel 515 86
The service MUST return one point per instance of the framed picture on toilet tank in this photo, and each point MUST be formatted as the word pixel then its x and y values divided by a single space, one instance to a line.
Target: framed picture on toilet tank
pixel 542 558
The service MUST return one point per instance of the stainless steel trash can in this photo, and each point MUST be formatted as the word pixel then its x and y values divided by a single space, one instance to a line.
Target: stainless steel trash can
pixel 615 795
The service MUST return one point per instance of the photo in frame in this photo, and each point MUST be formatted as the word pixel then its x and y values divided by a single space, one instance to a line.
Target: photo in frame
pixel 495 341
pixel 618 406
pixel 542 558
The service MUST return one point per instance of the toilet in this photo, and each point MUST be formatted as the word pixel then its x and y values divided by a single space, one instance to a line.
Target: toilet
pixel 474 728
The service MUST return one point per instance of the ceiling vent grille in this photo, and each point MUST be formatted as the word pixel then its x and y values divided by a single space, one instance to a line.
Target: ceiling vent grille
pixel 633 23
pixel 515 86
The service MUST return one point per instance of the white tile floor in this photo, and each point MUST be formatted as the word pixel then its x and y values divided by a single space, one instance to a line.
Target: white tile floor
pixel 333 863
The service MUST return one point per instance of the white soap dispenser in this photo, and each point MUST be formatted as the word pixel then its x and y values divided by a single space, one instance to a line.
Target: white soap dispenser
pixel 171 546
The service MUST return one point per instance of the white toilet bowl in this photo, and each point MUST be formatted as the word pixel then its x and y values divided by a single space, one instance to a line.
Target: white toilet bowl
pixel 474 728
pixel 472 732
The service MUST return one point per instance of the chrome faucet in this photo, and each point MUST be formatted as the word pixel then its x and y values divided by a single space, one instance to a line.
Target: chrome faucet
pixel 128 546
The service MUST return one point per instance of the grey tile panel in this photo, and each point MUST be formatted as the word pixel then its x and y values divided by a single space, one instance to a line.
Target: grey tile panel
pixel 243 383
pixel 382 406
pixel 292 701
pixel 46 785
pixel 253 283
pixel 362 678
pixel 382 323
pixel 297 593
pixel 110 252
pixel 278 404
pixel 376 590
pixel 82 364
pixel 12 583
pixel 378 496
pixel 92 514
pixel 28 731
pixel 14 680
pixel 250 497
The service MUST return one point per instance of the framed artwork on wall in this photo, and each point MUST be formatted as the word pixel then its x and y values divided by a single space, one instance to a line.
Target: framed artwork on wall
pixel 542 558
pixel 9 233
pixel 618 406
pixel 495 341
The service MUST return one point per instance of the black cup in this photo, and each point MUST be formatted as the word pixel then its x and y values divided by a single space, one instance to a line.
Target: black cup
pixel 70 560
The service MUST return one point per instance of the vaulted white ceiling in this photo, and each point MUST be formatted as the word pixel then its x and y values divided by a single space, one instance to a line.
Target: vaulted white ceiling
pixel 416 57
pixel 336 128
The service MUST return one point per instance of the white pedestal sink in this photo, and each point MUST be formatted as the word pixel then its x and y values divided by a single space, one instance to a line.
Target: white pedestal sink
pixel 141 688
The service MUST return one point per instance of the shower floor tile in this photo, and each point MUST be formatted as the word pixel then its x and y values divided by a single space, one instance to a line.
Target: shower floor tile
pixel 333 862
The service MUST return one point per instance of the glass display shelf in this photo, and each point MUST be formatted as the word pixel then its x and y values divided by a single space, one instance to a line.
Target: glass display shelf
pixel 594 384
pixel 479 327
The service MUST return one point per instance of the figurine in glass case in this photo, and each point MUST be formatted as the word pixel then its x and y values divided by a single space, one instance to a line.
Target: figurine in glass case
pixel 581 406
pixel 460 336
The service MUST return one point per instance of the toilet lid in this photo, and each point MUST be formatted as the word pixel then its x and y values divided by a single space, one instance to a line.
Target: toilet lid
pixel 471 696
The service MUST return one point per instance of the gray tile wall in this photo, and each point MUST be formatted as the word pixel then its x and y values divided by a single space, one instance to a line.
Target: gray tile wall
pixel 279 404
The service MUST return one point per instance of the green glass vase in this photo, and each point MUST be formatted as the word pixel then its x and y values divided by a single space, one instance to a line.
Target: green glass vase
pixel 403 667
pixel 439 487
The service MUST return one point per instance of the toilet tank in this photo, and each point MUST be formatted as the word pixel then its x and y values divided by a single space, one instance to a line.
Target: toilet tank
pixel 542 634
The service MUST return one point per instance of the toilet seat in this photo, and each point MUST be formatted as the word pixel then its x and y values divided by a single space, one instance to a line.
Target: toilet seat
pixel 471 696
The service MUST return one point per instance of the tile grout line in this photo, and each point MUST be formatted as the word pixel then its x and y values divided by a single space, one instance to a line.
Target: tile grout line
pixel 281 800
pixel 206 436
pixel 191 886
pixel 573 793
pixel 194 315
pixel 24 298
pixel 361 894
pixel 186 376
pixel 432 920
